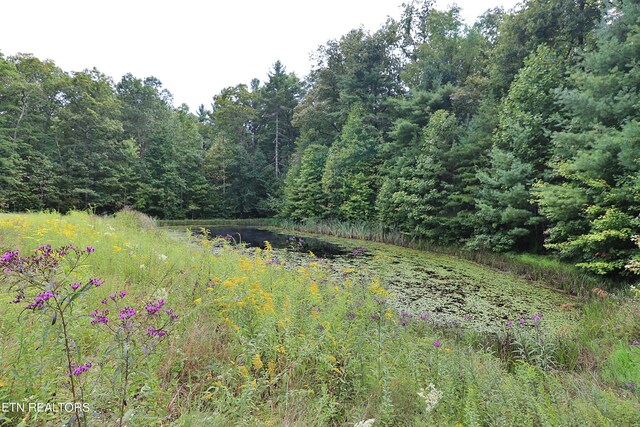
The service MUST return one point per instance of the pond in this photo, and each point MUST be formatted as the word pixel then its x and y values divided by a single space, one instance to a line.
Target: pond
pixel 444 288
pixel 256 237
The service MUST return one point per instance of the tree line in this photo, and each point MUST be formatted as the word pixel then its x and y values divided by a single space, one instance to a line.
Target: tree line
pixel 519 132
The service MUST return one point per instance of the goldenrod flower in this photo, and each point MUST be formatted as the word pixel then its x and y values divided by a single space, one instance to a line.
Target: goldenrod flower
pixel 257 362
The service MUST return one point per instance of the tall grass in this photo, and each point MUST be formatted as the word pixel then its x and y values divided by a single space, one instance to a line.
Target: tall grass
pixel 268 338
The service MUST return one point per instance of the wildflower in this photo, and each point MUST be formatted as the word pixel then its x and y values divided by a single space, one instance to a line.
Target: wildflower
pixel 431 398
pixel 510 324
pixel 99 316
pixel 8 256
pixel 90 249
pixel 82 368
pixel 153 308
pixel 75 286
pixel 635 342
pixel 156 332
pixel 375 317
pixel 437 344
pixel 423 316
pixel 41 298
pixel 127 313
pixel 256 361
pixel 351 315
pixel 95 282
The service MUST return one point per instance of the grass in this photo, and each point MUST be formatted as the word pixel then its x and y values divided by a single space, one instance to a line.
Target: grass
pixel 267 339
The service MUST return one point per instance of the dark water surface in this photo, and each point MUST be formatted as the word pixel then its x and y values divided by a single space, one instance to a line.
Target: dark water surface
pixel 257 236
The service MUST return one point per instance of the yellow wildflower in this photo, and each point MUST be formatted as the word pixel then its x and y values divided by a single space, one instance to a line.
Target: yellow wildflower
pixel 267 246
pixel 256 361
pixel 272 367
pixel 197 300
pixel 116 249
pixel 313 289
pixel 244 371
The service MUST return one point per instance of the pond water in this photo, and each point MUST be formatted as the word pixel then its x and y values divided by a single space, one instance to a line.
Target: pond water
pixel 446 288
pixel 254 236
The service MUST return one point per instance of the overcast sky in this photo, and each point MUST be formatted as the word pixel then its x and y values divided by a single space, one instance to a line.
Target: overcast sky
pixel 195 47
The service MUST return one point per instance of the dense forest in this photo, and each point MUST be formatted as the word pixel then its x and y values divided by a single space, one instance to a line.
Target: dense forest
pixel 520 132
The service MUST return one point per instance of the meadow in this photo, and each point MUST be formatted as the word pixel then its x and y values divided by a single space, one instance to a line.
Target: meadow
pixel 150 327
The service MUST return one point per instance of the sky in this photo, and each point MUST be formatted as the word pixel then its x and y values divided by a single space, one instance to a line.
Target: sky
pixel 195 47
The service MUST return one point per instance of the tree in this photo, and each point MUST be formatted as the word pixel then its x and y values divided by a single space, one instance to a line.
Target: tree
pixel 592 199
pixel 304 195
pixel 350 176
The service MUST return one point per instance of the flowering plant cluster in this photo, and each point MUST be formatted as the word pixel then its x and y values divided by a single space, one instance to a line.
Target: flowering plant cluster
pixel 135 333
pixel 153 320
pixel 41 281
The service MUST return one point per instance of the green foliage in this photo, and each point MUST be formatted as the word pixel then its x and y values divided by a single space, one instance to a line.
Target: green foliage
pixel 593 199
pixel 349 178
pixel 304 195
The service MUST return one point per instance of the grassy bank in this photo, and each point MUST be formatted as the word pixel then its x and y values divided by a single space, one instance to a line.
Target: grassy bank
pixel 535 268
pixel 265 339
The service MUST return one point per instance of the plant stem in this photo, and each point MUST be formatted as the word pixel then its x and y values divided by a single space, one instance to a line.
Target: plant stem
pixel 67 349
pixel 125 384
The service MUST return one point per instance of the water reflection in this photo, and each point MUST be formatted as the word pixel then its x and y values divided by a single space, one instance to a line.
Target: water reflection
pixel 256 237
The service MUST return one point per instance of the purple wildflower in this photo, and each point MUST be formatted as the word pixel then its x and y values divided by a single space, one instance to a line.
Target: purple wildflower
pixel 127 312
pixel 437 344
pixel 153 308
pixel 75 286
pixel 100 316
pixel 90 249
pixel 424 316
pixel 82 368
pixel 40 300
pixel 95 282
pixel 510 324
pixel 351 315
pixel 635 342
pixel 8 256
pixel 375 317
pixel 156 332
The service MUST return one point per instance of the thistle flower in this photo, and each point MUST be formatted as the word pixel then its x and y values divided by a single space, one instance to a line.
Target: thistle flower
pixel 437 344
